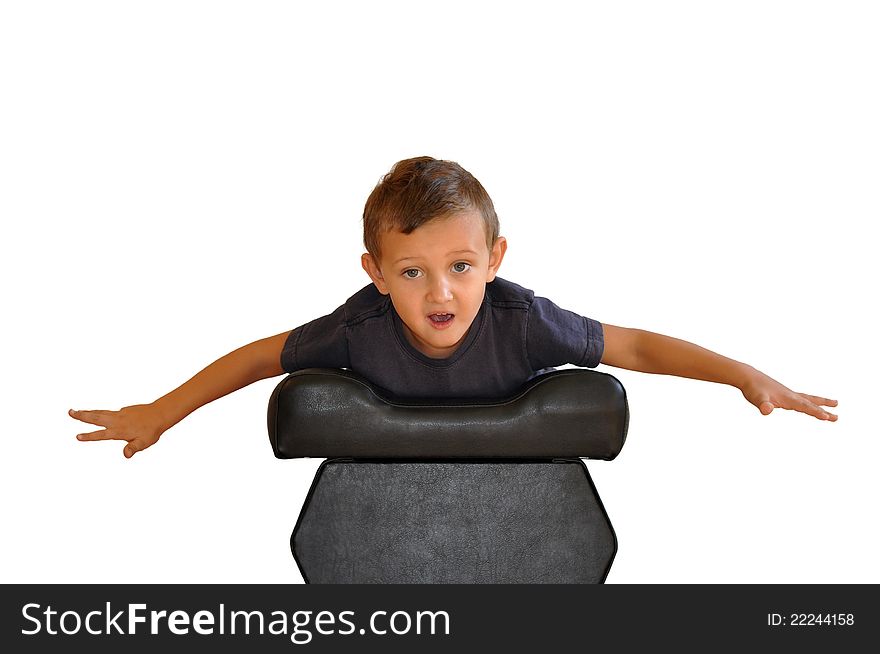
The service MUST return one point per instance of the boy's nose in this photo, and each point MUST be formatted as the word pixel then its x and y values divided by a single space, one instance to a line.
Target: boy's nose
pixel 440 291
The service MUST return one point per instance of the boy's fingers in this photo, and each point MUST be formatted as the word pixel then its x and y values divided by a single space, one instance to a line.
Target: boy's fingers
pixel 805 406
pixel 91 417
pixel 823 401
pixel 132 447
pixel 101 435
pixel 765 406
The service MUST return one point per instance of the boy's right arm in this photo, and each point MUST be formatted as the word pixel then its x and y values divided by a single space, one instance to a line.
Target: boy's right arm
pixel 142 424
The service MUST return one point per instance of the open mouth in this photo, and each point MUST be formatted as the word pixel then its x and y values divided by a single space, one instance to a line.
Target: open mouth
pixel 441 320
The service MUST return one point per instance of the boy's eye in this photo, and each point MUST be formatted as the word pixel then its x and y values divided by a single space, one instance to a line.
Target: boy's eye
pixel 461 267
pixel 412 273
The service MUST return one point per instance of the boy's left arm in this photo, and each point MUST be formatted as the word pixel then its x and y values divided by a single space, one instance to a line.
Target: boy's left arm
pixel 636 349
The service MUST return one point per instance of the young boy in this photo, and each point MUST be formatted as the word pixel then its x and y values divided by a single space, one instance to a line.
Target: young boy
pixel 436 321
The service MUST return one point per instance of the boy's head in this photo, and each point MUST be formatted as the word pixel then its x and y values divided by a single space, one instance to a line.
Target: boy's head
pixel 432 242
pixel 416 191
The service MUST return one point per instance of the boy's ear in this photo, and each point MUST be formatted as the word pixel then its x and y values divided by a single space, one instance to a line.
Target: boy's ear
pixel 368 263
pixel 495 257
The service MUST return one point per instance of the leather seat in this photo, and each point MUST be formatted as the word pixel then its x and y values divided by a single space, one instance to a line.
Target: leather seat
pixel 463 491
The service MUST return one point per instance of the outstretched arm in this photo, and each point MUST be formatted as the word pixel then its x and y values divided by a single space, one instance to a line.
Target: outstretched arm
pixel 142 424
pixel 636 349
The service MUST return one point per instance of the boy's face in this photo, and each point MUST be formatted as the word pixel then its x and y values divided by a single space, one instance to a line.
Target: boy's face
pixel 437 276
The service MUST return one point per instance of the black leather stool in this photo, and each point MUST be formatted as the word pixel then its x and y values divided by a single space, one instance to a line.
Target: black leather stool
pixel 461 491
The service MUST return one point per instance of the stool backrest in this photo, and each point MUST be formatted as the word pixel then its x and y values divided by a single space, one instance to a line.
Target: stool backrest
pixel 336 413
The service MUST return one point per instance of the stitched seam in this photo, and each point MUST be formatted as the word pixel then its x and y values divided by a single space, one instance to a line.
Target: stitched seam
pixel 295 346
pixel 583 359
pixel 525 344
pixel 368 313
pixel 434 404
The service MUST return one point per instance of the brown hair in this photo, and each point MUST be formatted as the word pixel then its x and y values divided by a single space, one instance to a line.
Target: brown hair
pixel 421 189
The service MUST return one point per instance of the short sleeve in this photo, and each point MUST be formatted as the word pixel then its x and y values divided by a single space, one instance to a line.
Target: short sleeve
pixel 555 337
pixel 321 343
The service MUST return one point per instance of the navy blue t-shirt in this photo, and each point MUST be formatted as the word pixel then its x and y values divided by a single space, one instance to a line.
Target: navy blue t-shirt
pixel 513 336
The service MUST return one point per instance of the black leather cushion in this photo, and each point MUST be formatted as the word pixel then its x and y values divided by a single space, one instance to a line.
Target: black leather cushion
pixel 336 413
pixel 458 522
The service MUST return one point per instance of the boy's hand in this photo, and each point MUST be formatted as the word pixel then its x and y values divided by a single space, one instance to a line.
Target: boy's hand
pixel 141 425
pixel 768 394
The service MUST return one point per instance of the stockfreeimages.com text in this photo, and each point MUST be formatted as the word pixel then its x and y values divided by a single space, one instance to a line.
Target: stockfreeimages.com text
pixel 135 618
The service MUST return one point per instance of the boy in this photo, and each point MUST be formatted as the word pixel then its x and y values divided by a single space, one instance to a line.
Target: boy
pixel 437 322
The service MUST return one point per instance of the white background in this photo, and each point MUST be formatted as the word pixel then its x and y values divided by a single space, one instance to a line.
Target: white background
pixel 182 178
